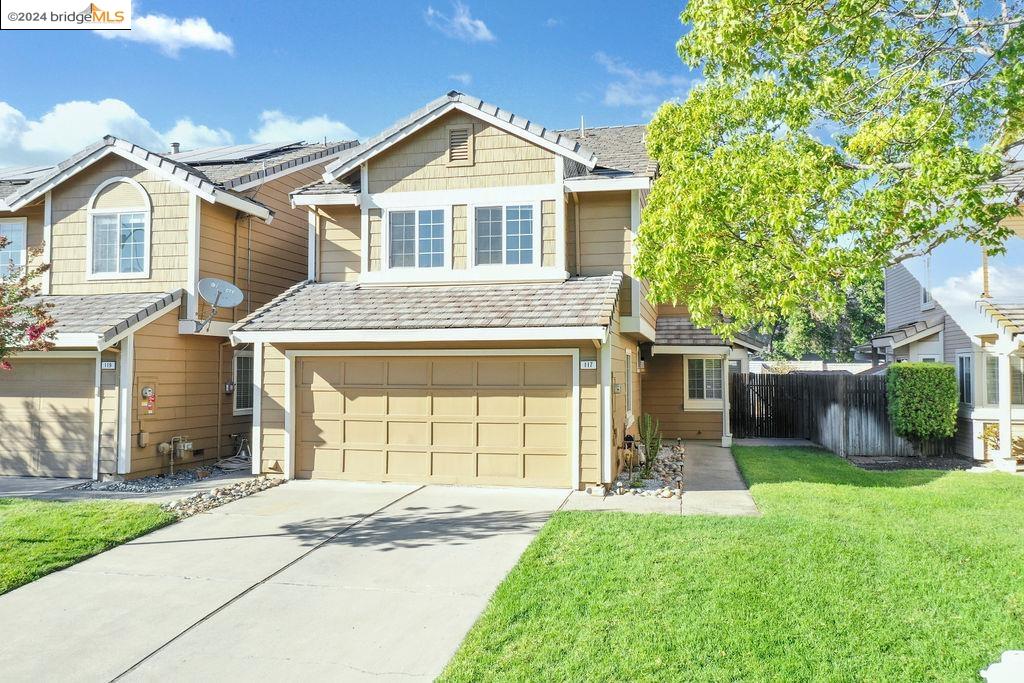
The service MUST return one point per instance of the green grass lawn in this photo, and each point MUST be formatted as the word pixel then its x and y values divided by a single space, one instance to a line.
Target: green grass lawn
pixel 38 537
pixel 849 576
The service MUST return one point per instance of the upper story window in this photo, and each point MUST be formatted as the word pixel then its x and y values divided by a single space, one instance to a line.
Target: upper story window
pixel 14 250
pixel 416 238
pixel 505 235
pixel 118 232
pixel 927 302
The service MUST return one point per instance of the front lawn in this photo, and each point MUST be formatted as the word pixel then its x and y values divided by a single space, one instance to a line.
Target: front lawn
pixel 38 537
pixel 849 575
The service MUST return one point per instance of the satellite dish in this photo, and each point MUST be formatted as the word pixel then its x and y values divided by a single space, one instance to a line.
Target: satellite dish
pixel 219 294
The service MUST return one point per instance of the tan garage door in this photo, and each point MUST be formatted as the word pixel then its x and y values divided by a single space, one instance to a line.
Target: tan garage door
pixel 458 420
pixel 46 417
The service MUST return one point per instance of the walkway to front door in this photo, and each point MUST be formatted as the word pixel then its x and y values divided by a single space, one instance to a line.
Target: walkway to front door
pixel 312 580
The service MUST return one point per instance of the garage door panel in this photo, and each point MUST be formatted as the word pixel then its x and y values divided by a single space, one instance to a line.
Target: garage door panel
pixel 408 464
pixel 408 372
pixel 368 372
pixel 365 401
pixel 325 375
pixel 411 402
pixel 499 435
pixel 47 411
pixel 491 373
pixel 503 404
pixel 475 420
pixel 364 432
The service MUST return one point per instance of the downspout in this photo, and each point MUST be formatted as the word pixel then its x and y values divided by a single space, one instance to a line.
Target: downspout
pixel 576 228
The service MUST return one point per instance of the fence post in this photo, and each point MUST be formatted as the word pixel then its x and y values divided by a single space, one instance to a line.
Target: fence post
pixel 844 414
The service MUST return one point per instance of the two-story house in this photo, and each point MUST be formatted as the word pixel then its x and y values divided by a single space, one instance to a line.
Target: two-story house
pixel 963 307
pixel 470 314
pixel 134 378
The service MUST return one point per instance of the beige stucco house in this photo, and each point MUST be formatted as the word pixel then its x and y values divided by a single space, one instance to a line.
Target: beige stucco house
pixel 470 314
pixel 964 307
pixel 129 233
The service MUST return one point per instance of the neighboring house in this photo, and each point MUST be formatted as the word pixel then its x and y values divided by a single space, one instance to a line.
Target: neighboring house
pixel 129 233
pixel 470 315
pixel 961 307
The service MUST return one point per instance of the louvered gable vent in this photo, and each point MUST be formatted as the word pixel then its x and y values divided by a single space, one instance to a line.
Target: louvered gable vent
pixel 460 145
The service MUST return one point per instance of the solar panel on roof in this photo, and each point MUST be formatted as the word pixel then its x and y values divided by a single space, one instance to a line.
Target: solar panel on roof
pixel 22 172
pixel 215 155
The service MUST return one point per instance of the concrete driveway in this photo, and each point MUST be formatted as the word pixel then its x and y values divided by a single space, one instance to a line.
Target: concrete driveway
pixel 308 581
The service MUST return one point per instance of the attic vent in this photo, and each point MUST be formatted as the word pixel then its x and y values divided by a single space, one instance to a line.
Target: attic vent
pixel 460 146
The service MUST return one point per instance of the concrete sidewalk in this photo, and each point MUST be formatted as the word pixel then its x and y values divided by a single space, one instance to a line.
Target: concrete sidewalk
pixel 29 487
pixel 310 580
pixel 712 485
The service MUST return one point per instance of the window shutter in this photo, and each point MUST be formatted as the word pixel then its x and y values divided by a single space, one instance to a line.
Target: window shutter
pixel 460 146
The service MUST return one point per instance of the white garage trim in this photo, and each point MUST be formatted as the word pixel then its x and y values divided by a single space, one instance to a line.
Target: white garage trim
pixel 289 389
pixel 98 410
pixel 124 405
pixel 606 412
pixel 255 441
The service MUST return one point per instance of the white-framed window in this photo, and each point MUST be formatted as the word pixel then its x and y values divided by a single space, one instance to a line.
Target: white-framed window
pixel 929 359
pixel 241 375
pixel 927 303
pixel 418 238
pixel 703 381
pixel 965 377
pixel 14 253
pixel 629 384
pixel 992 379
pixel 118 234
pixel 505 235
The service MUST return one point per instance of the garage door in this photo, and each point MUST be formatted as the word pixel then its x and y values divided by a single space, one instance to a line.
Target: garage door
pixel 46 417
pixel 463 420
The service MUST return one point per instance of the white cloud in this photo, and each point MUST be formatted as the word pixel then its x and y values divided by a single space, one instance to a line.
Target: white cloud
pixel 173 35
pixel 463 78
pixel 276 126
pixel 552 22
pixel 460 24
pixel 637 88
pixel 195 135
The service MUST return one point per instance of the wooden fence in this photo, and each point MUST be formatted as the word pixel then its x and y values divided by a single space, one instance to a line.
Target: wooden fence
pixel 847 414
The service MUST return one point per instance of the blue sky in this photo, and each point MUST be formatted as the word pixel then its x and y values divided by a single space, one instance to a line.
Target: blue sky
pixel 209 73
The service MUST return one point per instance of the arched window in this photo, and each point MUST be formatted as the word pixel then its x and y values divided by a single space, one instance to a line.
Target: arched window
pixel 118 232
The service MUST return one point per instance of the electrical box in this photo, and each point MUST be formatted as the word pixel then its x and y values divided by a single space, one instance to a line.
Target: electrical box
pixel 148 396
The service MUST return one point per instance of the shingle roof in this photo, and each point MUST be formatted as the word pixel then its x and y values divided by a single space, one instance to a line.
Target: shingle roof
pixel 899 335
pixel 105 315
pixel 422 116
pixel 334 187
pixel 680 331
pixel 620 150
pixel 1008 315
pixel 580 301
pixel 230 174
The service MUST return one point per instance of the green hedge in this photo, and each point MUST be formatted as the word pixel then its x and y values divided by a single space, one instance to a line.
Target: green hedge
pixel 923 400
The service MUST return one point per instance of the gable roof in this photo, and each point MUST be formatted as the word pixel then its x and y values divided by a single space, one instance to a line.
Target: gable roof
pixel 904 334
pixel 98 320
pixel 680 331
pixel 547 138
pixel 13 179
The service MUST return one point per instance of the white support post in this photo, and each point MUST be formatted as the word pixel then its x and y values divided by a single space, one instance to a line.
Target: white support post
pixel 125 402
pixel 255 443
pixel 48 241
pixel 606 412
pixel 313 246
pixel 726 428
pixel 1004 459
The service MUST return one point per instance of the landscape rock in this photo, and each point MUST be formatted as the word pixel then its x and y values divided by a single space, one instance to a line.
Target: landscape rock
pixel 202 501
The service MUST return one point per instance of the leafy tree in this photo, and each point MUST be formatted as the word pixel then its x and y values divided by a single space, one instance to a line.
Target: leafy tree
pixel 861 317
pixel 25 324
pixel 831 138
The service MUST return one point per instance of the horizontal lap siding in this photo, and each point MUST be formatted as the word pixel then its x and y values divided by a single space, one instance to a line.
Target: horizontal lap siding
pixel 902 298
pixel 420 162
pixel 169 224
pixel 189 394
pixel 663 399
pixel 606 239
pixel 340 243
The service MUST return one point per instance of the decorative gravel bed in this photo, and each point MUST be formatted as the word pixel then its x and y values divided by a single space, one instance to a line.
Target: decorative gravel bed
pixel 666 480
pixel 207 500
pixel 160 482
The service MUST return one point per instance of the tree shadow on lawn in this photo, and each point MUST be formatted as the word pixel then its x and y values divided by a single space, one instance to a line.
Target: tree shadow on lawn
pixel 810 465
